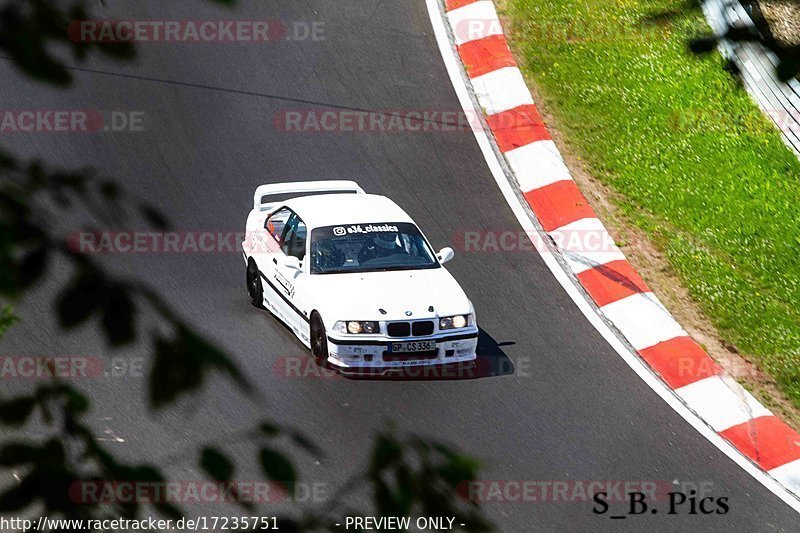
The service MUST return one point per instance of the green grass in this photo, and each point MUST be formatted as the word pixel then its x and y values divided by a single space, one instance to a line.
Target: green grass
pixel 698 166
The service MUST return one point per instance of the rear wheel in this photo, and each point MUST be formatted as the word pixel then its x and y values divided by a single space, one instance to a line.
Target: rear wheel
pixel 319 340
pixel 254 288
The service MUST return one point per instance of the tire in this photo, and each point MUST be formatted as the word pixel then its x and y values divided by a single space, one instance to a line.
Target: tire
pixel 254 288
pixel 319 340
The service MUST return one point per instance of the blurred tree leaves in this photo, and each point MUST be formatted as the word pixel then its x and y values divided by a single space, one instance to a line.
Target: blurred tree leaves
pixel 413 476
pixel 7 318
pixel 217 464
pixel 277 468
pixel 33 32
pixel 16 411
pixel 405 474
pixel 28 31
pixel 181 363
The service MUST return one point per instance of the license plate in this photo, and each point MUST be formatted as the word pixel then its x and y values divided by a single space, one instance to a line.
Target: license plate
pixel 412 346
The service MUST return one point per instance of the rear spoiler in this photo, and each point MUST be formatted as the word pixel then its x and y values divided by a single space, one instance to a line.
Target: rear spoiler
pixel 272 189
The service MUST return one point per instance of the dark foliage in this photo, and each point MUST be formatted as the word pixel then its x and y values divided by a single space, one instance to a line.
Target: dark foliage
pixel 34 38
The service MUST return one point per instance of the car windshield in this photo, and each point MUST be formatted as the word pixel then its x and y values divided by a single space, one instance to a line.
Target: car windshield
pixel 369 248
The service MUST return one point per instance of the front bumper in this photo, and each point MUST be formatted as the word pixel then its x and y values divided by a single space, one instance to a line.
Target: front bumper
pixel 350 351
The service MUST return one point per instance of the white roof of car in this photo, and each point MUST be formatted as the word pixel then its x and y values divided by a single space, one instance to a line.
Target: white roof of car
pixel 335 209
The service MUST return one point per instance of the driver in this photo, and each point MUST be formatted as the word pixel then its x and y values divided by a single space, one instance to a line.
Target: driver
pixel 380 245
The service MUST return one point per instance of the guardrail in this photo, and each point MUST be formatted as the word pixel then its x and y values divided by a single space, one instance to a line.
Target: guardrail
pixel 779 100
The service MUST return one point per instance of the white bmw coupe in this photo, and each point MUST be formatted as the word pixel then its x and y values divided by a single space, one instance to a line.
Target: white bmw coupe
pixel 354 278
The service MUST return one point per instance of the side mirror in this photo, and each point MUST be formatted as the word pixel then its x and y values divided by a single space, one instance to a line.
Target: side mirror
pixel 291 262
pixel 445 255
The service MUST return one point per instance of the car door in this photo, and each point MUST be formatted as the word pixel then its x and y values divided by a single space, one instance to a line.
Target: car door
pixel 290 276
pixel 268 250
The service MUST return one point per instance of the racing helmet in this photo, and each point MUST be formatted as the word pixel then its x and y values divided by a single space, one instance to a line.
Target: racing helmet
pixel 387 241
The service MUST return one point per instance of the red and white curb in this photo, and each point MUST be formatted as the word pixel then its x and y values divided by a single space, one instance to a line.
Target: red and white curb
pixel 609 280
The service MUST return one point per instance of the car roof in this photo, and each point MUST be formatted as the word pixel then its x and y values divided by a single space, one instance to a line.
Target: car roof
pixel 334 209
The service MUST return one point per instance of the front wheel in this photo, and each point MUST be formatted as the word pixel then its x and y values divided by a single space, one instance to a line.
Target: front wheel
pixel 319 340
pixel 254 288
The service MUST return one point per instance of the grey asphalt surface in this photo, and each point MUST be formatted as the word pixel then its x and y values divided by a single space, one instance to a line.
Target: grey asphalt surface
pixel 571 410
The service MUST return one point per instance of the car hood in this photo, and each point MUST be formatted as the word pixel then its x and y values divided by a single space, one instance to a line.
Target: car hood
pixel 361 296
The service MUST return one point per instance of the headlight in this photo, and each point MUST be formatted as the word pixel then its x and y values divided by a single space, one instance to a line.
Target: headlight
pixel 454 322
pixel 356 326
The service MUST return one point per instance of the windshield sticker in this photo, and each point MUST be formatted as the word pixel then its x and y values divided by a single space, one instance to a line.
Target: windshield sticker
pixel 368 228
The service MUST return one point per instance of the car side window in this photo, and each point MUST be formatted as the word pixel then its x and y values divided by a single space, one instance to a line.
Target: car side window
pixel 294 238
pixel 276 223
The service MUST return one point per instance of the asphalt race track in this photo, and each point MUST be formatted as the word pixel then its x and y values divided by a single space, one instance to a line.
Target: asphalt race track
pixel 564 405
